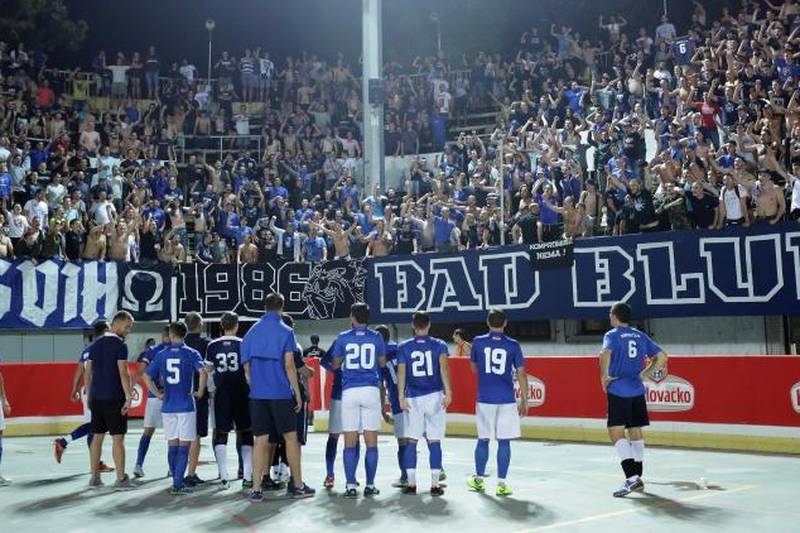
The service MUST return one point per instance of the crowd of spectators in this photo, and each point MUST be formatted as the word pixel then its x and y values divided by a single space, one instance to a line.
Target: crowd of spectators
pixel 717 100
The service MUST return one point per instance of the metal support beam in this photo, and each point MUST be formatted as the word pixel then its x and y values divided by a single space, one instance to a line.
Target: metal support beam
pixel 372 59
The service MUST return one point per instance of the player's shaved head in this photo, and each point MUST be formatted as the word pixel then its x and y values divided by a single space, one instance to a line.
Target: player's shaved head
pixel 194 322
pixel 622 312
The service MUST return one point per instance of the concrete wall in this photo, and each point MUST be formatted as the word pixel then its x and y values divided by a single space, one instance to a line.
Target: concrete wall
pixel 690 336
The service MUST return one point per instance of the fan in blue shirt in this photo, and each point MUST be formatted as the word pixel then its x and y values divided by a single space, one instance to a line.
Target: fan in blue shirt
pixel 622 367
pixel 360 353
pixel 174 366
pixel 495 357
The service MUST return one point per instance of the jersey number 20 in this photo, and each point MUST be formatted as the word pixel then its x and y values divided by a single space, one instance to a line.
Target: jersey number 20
pixel 359 356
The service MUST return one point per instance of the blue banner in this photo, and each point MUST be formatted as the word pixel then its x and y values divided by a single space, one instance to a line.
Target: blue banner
pixel 59 294
pixel 736 271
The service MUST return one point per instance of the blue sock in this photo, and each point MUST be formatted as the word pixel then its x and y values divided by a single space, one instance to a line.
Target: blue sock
pixel 172 452
pixel 181 462
pixel 144 445
pixel 481 457
pixel 410 459
pixel 358 450
pixel 89 439
pixel 330 454
pixel 80 432
pixel 350 465
pixel 401 459
pixel 435 449
pixel 371 464
pixel 503 458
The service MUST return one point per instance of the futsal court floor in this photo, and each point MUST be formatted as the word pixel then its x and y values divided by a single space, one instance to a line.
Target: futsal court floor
pixel 557 486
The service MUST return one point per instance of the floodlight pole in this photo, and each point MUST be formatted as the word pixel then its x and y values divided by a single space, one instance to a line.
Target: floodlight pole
pixel 372 66
pixel 210 25
pixel 501 191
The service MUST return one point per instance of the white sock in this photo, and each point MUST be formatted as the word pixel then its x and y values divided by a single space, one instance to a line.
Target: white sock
pixel 623 449
pixel 411 473
pixel 637 448
pixel 435 477
pixel 221 453
pixel 247 462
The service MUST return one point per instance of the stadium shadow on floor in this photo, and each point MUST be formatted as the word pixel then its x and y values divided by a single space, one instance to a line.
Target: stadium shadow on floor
pixel 659 505
pixel 687 485
pixel 519 510
pixel 46 482
pixel 48 505
pixel 248 515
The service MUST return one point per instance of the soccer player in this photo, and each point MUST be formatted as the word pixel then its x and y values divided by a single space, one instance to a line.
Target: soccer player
pixel 199 342
pixel 5 409
pixel 621 371
pixel 423 385
pixel 495 357
pixel 231 403
pixel 360 353
pixel 109 385
pixel 334 418
pixel 275 397
pixel 398 418
pixel 84 430
pixel 175 366
pixel 152 409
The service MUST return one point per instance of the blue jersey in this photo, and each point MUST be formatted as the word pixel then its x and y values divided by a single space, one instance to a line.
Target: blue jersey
pixel 264 347
pixel 683 50
pixel 390 377
pixel 147 357
pixel 497 356
pixel 422 355
pixel 327 363
pixel 359 349
pixel 175 366
pixel 628 347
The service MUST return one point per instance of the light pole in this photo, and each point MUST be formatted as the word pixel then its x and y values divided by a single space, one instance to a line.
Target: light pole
pixel 210 25
pixel 435 19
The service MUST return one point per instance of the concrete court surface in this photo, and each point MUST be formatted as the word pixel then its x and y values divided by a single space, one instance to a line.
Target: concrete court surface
pixel 557 486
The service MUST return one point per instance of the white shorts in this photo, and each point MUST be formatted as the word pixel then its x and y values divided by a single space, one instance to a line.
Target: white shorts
pixel 400 425
pixel 87 413
pixel 426 417
pixel 335 417
pixel 152 413
pixel 361 409
pixel 181 426
pixel 498 421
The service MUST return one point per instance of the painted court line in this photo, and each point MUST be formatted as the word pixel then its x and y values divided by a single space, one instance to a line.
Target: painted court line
pixel 623 512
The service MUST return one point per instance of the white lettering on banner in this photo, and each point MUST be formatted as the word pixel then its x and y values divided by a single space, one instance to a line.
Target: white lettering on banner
pixel 676 286
pixel 31 310
pixel 72 272
pixel 460 295
pixel 398 273
pixel 605 293
pixel 155 302
pixel 94 290
pixel 536 393
pixel 5 292
pixel 669 395
pixel 795 397
pixel 510 297
pixel 744 272
pixel 795 250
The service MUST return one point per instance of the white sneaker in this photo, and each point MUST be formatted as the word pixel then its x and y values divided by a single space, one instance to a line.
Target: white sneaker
pixel 4 482
pixel 138 471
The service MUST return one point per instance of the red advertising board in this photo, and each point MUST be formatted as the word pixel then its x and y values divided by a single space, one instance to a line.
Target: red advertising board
pixel 751 390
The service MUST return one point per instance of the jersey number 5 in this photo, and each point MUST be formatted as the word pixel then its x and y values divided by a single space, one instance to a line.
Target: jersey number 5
pixel 174 371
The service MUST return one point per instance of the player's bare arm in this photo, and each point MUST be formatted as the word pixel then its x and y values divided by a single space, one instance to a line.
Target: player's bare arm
pixel 6 405
pixel 444 368
pixel 87 380
pixel 152 387
pixel 401 386
pixel 657 364
pixel 125 379
pixel 522 378
pixel 75 393
pixel 203 382
pixel 605 360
